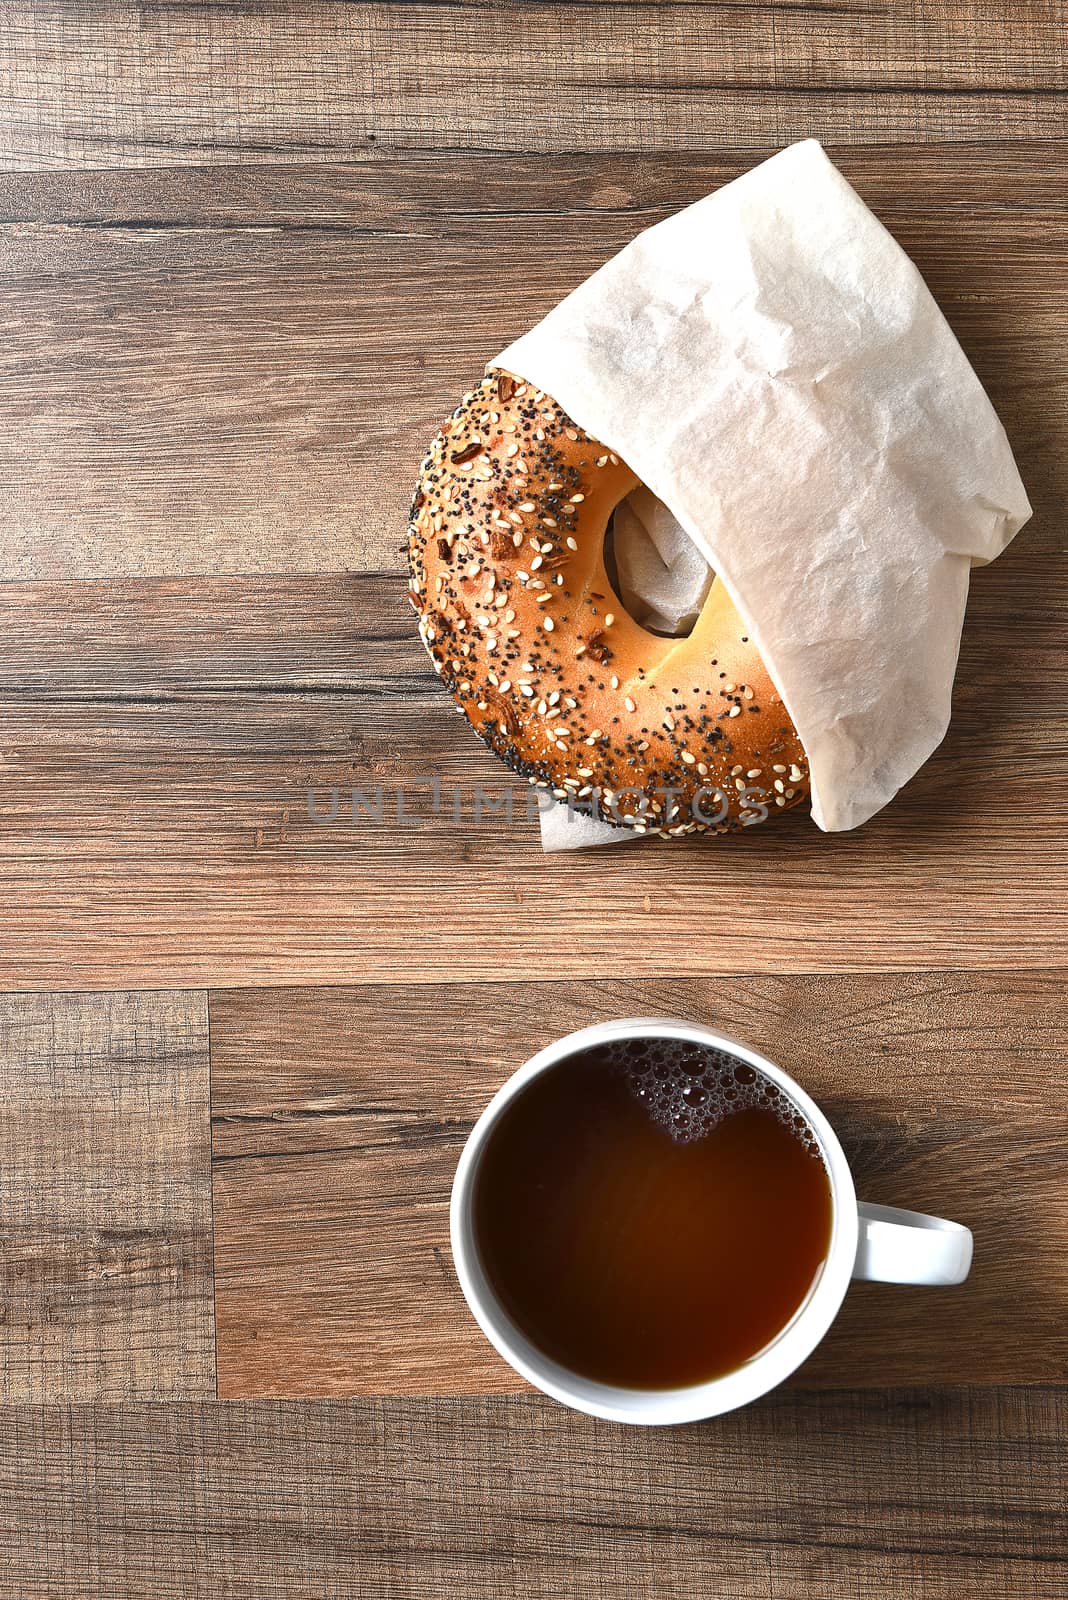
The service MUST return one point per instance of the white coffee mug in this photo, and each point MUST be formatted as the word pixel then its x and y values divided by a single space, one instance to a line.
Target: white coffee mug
pixel 867 1241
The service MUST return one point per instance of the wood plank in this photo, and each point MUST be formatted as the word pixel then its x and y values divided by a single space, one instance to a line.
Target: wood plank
pixel 944 1495
pixel 338 1116
pixel 238 370
pixel 105 1247
pixel 161 741
pixel 96 84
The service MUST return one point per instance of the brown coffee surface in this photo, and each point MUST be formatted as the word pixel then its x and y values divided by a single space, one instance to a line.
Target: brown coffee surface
pixel 651 1214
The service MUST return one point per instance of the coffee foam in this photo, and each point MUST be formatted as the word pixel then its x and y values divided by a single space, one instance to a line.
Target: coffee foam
pixel 690 1088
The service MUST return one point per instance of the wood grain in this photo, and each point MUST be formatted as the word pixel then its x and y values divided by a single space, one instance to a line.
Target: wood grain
pixel 96 84
pixel 950 1495
pixel 238 370
pixel 217 380
pixel 105 1198
pixel 160 742
pixel 338 1117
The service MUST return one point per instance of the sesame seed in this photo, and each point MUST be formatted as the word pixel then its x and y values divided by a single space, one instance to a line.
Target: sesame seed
pixel 778 769
pixel 548 624
pixel 735 711
pixel 689 759
pixel 609 618
pixel 779 786
pixel 795 774
pixel 572 544
pixel 629 703
pixel 526 505
pixel 577 499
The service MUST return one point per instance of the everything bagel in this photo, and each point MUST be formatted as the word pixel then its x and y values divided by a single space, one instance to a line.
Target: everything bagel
pixel 507 570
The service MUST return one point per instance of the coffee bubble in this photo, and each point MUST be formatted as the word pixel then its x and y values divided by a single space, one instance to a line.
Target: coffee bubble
pixel 689 1090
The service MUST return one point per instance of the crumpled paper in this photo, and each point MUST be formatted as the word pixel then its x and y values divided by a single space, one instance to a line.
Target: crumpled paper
pixel 662 576
pixel 773 367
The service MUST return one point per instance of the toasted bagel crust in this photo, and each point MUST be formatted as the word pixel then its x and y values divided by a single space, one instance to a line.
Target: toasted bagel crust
pixel 507 571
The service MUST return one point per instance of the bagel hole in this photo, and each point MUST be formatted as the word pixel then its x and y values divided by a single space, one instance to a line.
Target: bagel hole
pixel 664 602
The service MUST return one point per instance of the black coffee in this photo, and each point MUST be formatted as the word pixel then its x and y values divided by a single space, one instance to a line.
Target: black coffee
pixel 652 1213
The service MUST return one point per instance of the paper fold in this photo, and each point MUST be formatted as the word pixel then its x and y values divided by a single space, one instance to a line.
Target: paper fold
pixel 773 367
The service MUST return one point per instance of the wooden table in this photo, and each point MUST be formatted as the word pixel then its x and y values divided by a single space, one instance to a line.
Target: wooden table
pixel 249 257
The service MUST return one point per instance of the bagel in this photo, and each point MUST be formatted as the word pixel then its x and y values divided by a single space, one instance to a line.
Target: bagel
pixel 507 571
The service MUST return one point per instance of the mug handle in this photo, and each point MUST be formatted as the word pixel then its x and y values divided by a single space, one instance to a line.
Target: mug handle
pixel 908 1247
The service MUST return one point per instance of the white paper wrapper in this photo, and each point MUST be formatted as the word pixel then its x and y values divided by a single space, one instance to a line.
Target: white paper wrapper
pixel 663 577
pixel 773 367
